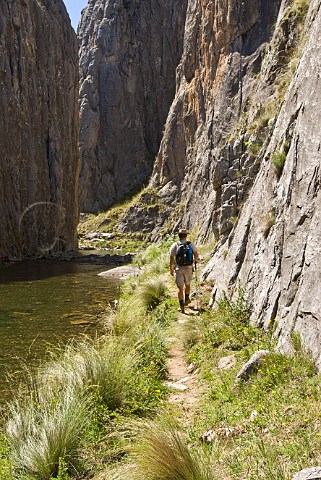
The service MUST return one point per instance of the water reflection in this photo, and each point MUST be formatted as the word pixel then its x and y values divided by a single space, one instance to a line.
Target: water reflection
pixel 47 302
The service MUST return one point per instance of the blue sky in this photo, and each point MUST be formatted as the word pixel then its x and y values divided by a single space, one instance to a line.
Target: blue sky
pixel 74 8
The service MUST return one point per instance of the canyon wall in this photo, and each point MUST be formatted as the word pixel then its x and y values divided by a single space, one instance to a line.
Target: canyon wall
pixel 38 128
pixel 240 158
pixel 274 250
pixel 202 172
pixel 129 51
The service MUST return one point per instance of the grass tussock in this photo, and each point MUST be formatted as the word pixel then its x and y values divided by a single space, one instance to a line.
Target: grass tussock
pixel 163 453
pixel 279 159
pixel 41 434
pixel 268 221
pixel 102 369
pixel 152 292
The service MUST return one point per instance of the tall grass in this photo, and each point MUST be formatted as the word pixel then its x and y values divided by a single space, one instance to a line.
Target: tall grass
pixel 128 316
pixel 46 425
pixel 152 292
pixel 40 434
pixel 163 454
pixel 100 368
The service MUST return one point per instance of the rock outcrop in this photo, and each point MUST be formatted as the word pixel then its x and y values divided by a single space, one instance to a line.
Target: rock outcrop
pixel 230 40
pixel 202 173
pixel 38 128
pixel 274 250
pixel 129 51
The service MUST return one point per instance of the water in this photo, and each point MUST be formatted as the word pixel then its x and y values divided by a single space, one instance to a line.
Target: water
pixel 45 303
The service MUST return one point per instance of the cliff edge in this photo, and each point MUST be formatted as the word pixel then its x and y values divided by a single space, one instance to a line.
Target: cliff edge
pixel 38 128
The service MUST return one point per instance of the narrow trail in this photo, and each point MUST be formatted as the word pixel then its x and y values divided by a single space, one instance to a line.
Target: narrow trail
pixel 182 378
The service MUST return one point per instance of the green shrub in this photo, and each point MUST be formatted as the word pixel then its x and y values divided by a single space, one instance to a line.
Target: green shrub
pixel 278 161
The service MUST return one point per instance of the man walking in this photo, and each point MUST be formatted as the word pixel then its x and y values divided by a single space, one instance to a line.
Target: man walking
pixel 182 256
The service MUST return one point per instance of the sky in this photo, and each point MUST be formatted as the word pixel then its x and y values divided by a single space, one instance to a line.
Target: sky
pixel 74 8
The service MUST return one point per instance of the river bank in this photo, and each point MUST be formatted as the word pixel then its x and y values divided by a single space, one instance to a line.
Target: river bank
pixel 163 392
pixel 47 302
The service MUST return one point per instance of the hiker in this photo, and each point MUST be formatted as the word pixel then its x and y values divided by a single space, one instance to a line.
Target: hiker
pixel 182 256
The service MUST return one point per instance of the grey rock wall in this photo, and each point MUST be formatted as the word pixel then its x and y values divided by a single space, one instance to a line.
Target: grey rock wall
pixel 38 128
pixel 201 173
pixel 274 251
pixel 129 51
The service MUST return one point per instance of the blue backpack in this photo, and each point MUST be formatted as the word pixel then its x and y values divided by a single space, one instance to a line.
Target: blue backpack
pixel 184 254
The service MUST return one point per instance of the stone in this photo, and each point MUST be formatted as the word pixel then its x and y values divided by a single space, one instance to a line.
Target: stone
pixel 313 473
pixel 253 415
pixel 107 236
pixel 252 365
pixel 38 129
pixel 226 363
pixel 177 386
pixel 121 272
pixel 92 235
pixel 223 432
pixel 191 368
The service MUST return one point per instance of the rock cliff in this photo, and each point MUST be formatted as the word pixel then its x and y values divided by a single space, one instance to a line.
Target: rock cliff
pixel 129 51
pixel 38 128
pixel 201 174
pixel 240 157
pixel 274 250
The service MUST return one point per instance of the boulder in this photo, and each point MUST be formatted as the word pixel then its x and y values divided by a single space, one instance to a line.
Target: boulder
pixel 121 273
pixel 251 367
pixel 226 363
pixel 313 473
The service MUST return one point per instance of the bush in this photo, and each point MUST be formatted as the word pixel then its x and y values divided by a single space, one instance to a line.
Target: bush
pixel 278 161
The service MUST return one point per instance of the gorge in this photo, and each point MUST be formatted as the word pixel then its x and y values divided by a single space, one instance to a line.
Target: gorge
pixel 213 104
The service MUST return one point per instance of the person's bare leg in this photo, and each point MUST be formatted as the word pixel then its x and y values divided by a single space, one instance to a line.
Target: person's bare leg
pixel 187 292
pixel 180 295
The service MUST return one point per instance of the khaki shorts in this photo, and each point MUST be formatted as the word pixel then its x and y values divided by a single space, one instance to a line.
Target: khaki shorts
pixel 183 276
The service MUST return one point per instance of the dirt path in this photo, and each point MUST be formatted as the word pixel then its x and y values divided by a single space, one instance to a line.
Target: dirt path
pixel 182 378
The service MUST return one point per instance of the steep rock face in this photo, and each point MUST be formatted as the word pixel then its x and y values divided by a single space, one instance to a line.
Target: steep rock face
pixel 202 174
pixel 223 51
pixel 38 128
pixel 128 56
pixel 274 250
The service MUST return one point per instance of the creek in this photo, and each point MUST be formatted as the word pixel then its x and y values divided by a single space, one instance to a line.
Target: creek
pixel 45 304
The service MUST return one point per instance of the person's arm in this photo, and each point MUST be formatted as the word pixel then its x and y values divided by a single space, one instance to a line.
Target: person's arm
pixel 195 252
pixel 171 265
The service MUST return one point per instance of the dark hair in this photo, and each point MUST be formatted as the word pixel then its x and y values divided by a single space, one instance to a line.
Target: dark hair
pixel 182 235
